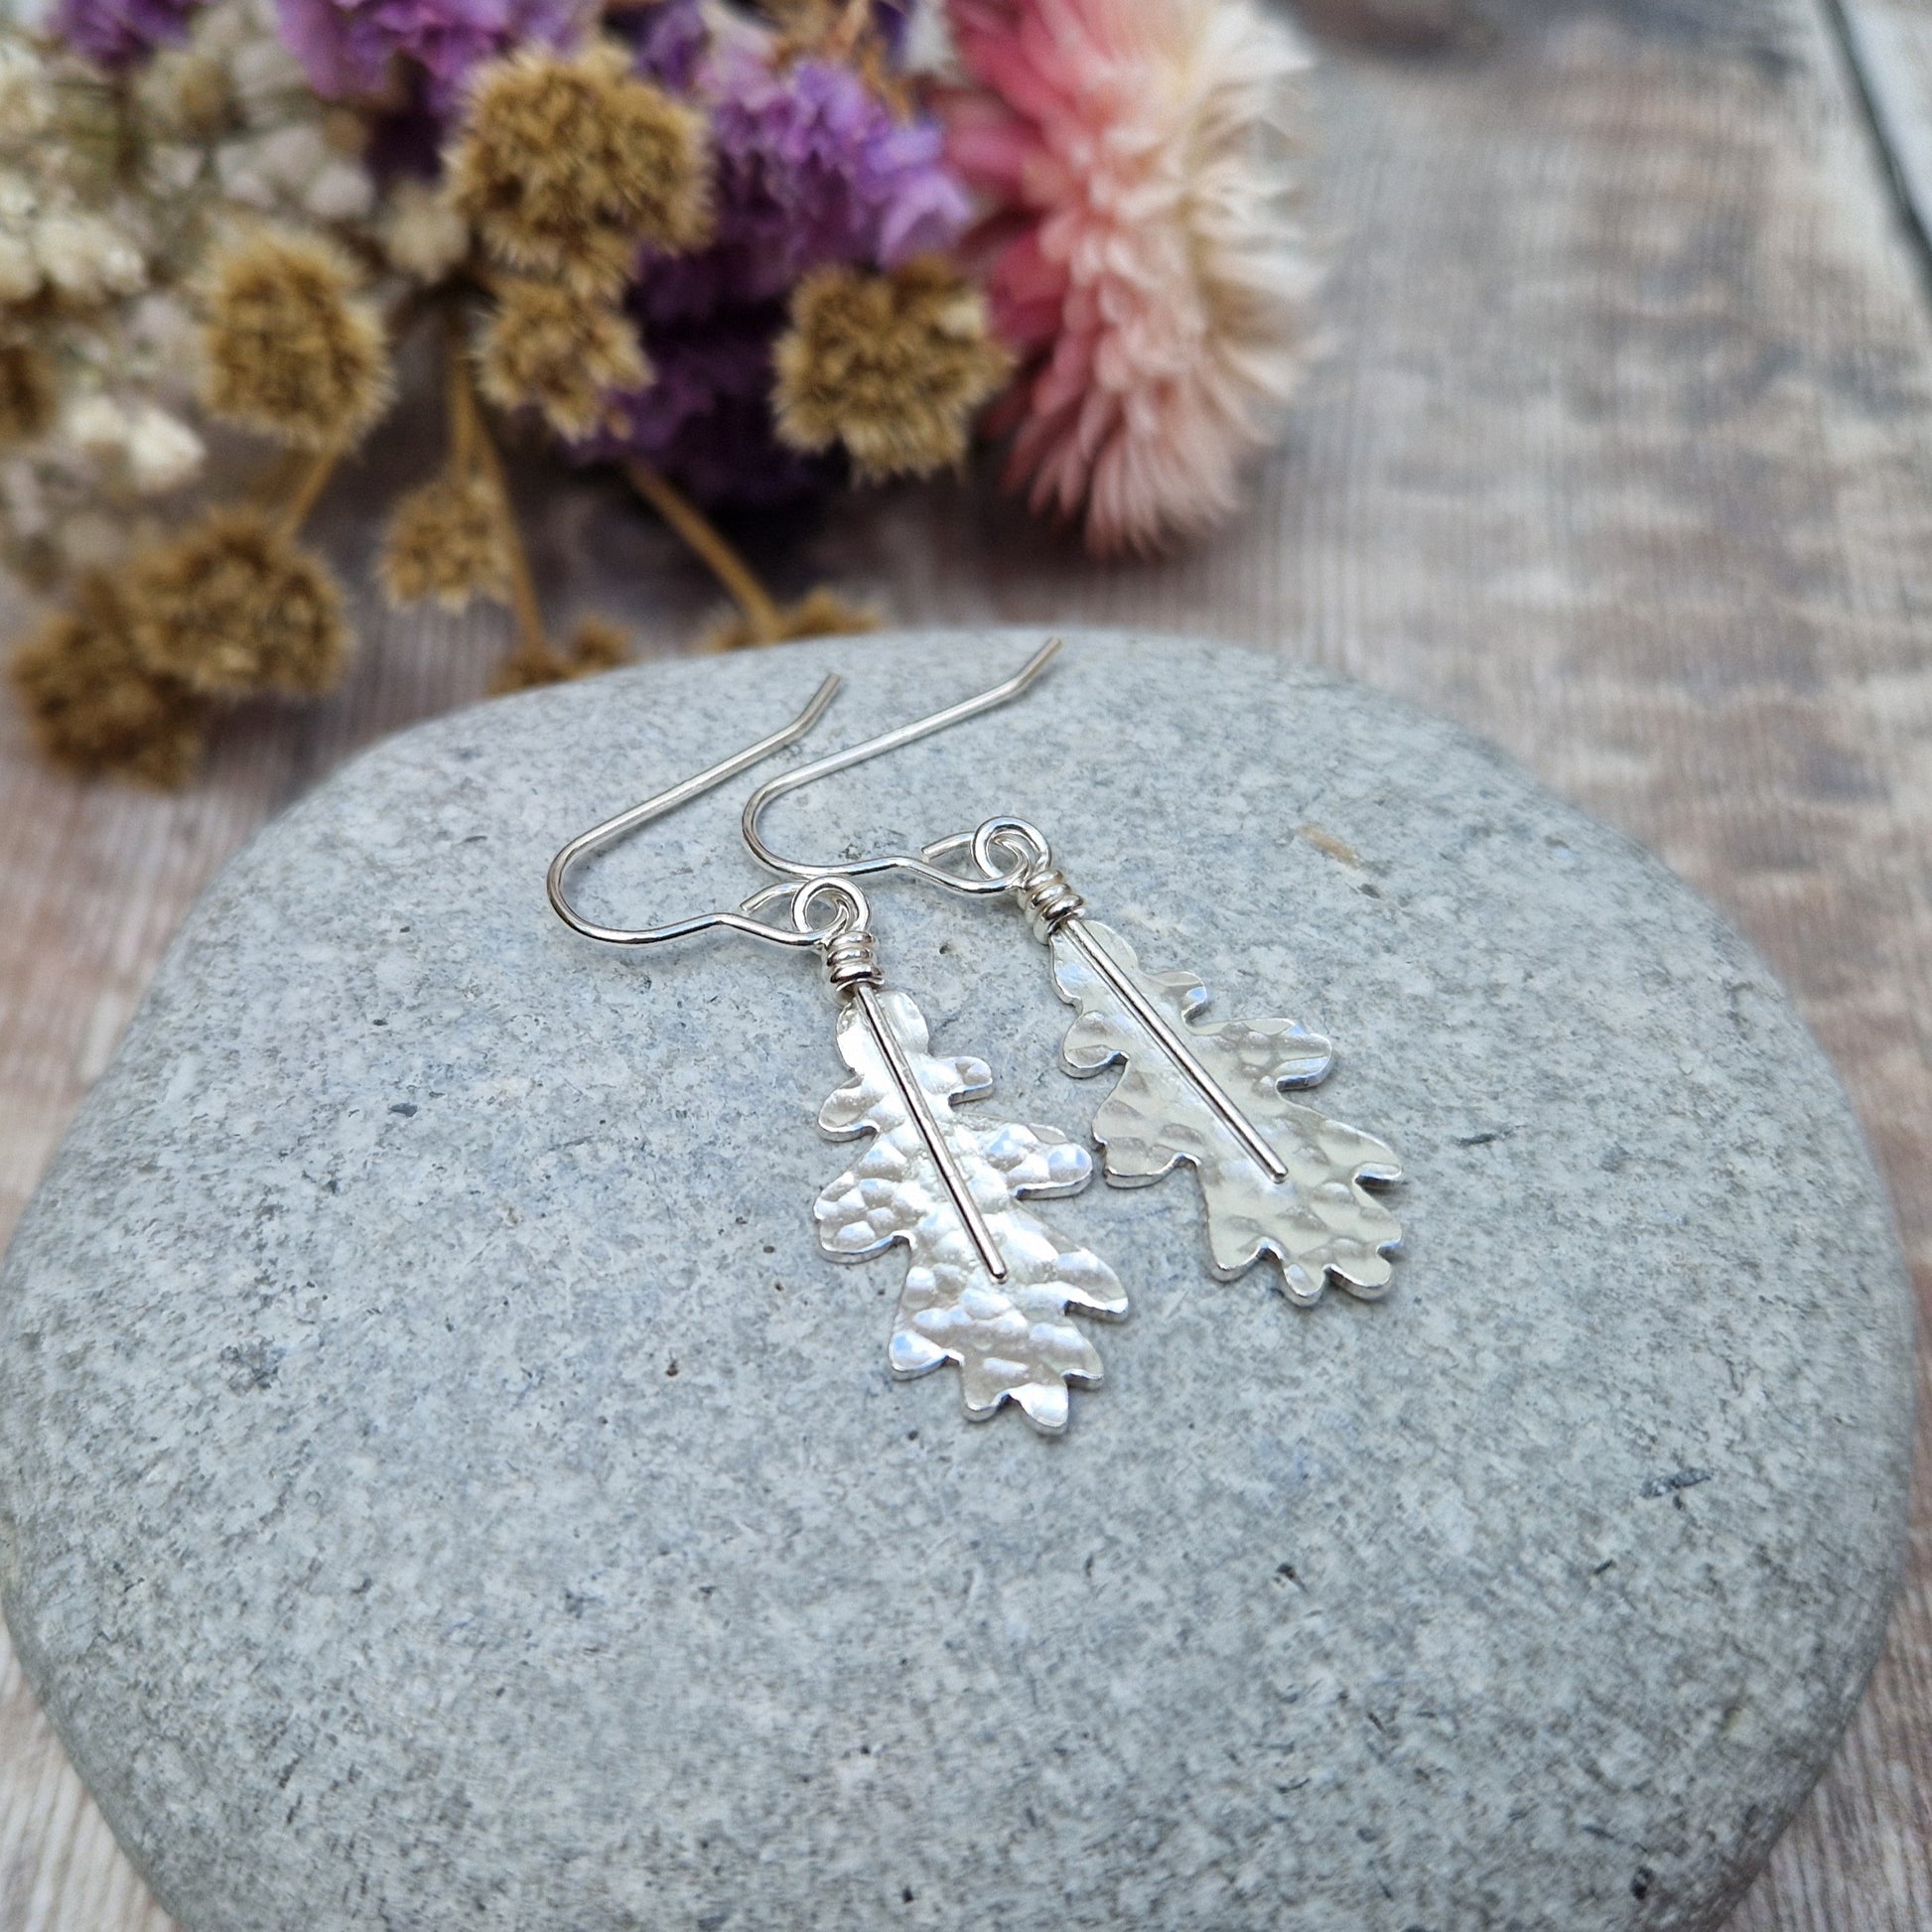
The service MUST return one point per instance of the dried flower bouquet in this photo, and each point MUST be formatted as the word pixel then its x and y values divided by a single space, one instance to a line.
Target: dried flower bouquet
pixel 748 255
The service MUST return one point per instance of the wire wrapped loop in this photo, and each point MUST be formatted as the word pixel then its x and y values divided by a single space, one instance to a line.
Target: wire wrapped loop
pixel 1049 900
pixel 1040 887
pixel 851 960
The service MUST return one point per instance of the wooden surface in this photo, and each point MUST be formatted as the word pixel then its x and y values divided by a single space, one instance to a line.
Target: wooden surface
pixel 1623 455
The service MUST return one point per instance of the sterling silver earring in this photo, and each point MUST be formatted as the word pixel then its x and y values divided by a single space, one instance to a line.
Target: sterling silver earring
pixel 1278 1178
pixel 988 1286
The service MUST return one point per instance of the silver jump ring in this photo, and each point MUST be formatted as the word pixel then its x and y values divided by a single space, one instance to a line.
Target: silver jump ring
pixel 854 912
pixel 1025 842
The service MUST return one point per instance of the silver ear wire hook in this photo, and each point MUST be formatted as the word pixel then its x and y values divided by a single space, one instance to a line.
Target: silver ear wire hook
pixel 1052 906
pixel 669 802
pixel 989 1286
pixel 850 954
pixel 776 789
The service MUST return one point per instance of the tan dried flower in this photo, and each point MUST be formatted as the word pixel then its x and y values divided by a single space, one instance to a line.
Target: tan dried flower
pixel 233 604
pixel 291 351
pixel 568 163
pixel 28 393
pixel 891 365
pixel 597 644
pixel 95 707
pixel 446 541
pixel 548 349
pixel 820 612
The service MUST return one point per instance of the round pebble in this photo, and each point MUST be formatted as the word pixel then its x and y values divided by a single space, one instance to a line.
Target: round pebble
pixel 442 1483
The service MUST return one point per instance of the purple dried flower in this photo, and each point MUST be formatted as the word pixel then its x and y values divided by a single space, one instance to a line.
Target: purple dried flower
pixel 893 20
pixel 670 36
pixel 347 46
pixel 706 419
pixel 406 138
pixel 813 167
pixel 115 32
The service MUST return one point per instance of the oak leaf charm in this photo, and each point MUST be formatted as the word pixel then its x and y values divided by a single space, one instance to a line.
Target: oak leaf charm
pixel 1322 1221
pixel 1014 1340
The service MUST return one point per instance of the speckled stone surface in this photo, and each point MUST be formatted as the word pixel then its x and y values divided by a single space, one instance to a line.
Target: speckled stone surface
pixel 443 1486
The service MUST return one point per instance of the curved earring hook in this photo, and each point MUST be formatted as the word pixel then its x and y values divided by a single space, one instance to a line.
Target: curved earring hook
pixel 660 806
pixel 776 789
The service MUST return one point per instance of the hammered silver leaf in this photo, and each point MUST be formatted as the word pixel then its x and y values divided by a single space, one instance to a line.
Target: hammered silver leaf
pixel 1014 1340
pixel 1322 1221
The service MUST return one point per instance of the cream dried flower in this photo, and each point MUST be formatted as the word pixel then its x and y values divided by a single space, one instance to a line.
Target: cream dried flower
pixel 820 612
pixel 291 350
pixel 891 365
pixel 446 541
pixel 233 604
pixel 94 706
pixel 549 348
pixel 423 235
pixel 595 645
pixel 229 118
pixel 568 164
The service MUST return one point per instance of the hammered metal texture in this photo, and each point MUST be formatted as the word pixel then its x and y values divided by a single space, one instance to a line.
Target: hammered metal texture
pixel 1013 1341
pixel 1320 1223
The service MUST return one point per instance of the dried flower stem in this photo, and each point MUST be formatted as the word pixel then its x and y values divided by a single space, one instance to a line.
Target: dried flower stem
pixel 761 613
pixel 461 396
pixel 308 489
pixel 277 478
pixel 530 633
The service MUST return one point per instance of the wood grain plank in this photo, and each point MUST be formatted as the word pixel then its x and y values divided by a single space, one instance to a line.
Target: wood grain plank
pixel 1623 456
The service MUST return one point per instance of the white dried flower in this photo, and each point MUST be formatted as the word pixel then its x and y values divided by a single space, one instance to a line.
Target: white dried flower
pixel 185 93
pixel 241 178
pixel 342 191
pixel 163 453
pixel 262 140
pixel 164 328
pixel 220 30
pixel 20 272
pixel 172 168
pixel 424 235
pixel 19 199
pixel 91 539
pixel 86 257
pixel 96 425
pixel 23 500
pixel 264 69
pixel 292 155
pixel 25 94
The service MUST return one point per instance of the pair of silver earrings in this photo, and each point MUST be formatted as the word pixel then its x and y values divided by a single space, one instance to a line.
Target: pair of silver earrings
pixel 989 1286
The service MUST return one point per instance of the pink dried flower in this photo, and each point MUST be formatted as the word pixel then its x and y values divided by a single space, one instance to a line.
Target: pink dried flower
pixel 1144 259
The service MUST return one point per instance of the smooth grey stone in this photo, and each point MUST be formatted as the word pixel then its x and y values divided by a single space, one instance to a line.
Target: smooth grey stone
pixel 444 1486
